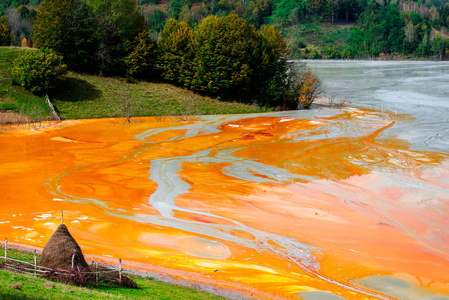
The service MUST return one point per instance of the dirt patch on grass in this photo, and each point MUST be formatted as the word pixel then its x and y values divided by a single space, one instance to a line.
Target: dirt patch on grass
pixel 9 118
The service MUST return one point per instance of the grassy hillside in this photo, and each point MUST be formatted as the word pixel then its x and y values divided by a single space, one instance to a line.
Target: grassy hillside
pixel 89 96
pixel 20 286
pixel 311 39
pixel 13 98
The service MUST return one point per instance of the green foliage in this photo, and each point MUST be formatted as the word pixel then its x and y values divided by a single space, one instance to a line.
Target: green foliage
pixel 82 38
pixel 141 62
pixel 5 35
pixel 331 53
pixel 226 57
pixel 177 52
pixel 381 30
pixel 155 18
pixel 39 71
pixel 69 28
pixel 258 12
pixel 270 69
pixel 87 96
pixel 289 11
pixel 119 23
pixel 175 8
pixel 5 4
pixel 392 29
pixel 52 23
pixel 225 50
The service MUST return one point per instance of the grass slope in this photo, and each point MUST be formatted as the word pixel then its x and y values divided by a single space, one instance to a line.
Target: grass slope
pixel 20 286
pixel 87 96
pixel 314 35
pixel 14 98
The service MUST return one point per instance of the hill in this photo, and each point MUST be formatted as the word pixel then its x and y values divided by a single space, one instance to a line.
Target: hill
pixel 90 96
pixel 313 28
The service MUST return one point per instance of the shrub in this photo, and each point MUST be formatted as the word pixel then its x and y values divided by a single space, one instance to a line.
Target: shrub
pixel 309 89
pixel 38 71
pixel 331 52
pixel 301 45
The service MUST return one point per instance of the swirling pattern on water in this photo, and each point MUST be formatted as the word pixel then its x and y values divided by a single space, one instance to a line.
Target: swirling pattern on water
pixel 320 203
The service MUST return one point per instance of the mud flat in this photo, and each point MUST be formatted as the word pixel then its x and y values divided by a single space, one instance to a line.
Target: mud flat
pixel 319 204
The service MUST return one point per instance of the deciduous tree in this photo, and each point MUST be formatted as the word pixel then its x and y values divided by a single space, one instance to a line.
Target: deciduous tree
pixel 177 52
pixel 270 69
pixel 225 51
pixel 309 88
pixel 141 62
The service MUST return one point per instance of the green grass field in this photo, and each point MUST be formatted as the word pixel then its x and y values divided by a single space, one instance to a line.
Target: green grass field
pixel 20 286
pixel 87 96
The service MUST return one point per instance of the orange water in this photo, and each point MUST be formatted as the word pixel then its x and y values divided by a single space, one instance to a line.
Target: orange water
pixel 270 205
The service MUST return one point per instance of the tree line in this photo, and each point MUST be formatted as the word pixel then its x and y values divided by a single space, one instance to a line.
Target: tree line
pixel 421 24
pixel 384 29
pixel 224 57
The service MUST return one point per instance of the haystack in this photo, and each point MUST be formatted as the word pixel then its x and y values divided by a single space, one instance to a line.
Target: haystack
pixel 58 251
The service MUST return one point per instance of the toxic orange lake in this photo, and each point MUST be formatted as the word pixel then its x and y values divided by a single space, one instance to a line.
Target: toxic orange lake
pixel 320 204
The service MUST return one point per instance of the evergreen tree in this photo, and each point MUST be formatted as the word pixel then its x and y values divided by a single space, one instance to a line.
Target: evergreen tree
pixel 51 26
pixel 119 24
pixel 69 28
pixel 83 38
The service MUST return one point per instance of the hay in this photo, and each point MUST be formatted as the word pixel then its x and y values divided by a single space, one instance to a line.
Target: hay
pixel 58 251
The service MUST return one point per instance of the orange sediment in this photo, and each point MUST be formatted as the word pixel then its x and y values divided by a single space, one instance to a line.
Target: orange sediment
pixel 270 206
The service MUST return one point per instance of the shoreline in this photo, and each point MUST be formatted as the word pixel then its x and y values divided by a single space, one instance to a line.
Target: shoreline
pixel 147 271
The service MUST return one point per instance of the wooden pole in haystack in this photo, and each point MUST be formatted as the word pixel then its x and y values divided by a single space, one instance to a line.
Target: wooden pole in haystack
pixel 62 217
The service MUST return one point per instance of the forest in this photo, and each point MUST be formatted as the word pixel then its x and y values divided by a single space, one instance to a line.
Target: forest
pixel 224 57
pixel 330 29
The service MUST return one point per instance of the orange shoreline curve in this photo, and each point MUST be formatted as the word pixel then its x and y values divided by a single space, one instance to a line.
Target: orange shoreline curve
pixel 321 204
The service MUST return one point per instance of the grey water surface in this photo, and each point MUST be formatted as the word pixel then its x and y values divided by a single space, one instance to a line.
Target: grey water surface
pixel 420 89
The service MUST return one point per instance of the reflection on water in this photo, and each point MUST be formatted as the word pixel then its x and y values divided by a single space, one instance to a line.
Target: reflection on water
pixel 416 88
pixel 319 204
